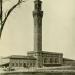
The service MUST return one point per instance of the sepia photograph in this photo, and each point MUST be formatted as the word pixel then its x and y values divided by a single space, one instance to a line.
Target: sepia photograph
pixel 37 37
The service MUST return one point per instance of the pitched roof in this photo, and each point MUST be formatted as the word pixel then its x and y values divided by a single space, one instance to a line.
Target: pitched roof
pixel 67 59
pixel 45 52
pixel 20 57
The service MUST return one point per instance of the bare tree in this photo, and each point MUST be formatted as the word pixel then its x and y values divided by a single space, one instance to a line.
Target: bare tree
pixel 8 13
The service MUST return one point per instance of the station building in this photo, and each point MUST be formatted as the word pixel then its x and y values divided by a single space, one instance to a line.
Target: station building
pixel 47 59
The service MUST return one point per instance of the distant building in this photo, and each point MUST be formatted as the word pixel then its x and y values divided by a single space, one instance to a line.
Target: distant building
pixel 68 62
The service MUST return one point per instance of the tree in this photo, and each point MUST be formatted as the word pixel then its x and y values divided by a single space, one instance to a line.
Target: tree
pixel 8 13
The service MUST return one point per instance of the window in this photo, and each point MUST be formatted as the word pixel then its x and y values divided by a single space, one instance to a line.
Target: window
pixel 56 60
pixel 45 60
pixel 16 64
pixel 27 65
pixel 51 60
pixel 31 64
pixel 12 64
pixel 36 6
pixel 20 64
pixel 24 65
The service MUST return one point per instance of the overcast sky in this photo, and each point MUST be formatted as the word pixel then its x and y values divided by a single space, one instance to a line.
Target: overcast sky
pixel 58 28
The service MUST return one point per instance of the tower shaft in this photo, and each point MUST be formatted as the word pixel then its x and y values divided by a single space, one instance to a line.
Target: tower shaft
pixel 37 15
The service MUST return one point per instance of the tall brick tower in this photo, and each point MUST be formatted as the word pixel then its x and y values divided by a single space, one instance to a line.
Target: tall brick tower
pixel 37 15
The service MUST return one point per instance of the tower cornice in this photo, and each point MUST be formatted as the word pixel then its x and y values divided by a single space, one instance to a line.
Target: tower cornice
pixel 35 13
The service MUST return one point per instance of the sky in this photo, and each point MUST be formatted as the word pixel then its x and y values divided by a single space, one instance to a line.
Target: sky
pixel 58 28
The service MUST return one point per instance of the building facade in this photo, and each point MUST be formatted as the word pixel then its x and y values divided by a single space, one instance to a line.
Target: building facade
pixel 48 58
pixel 18 61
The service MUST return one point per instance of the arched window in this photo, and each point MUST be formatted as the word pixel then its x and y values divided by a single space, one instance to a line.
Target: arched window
pixel 16 64
pixel 51 60
pixel 31 64
pixel 20 64
pixel 12 64
pixel 45 60
pixel 56 60
pixel 38 6
pixel 24 65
